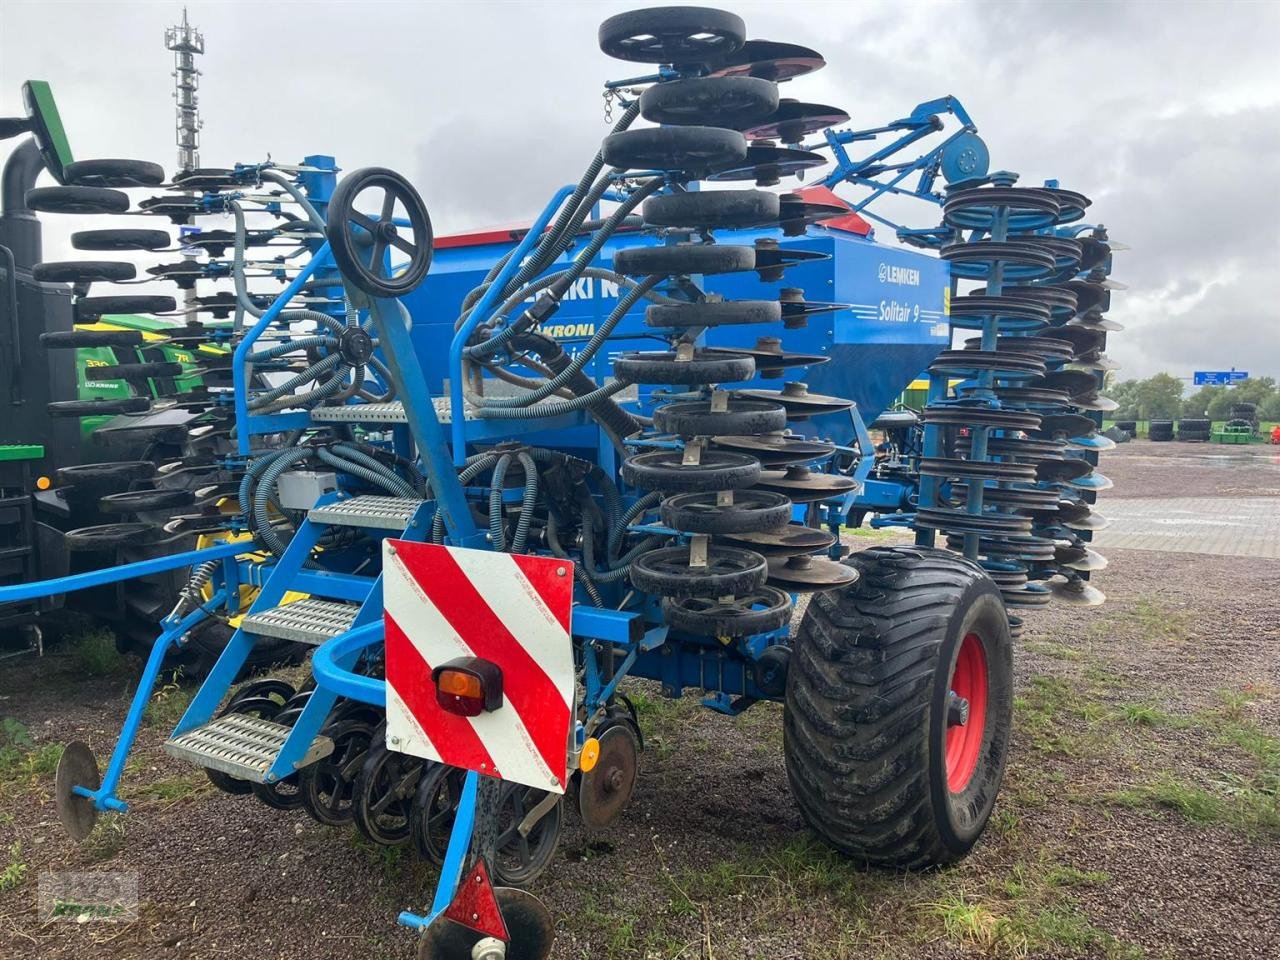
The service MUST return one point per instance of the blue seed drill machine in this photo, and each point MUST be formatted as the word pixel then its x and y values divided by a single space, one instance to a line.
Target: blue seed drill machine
pixel 485 479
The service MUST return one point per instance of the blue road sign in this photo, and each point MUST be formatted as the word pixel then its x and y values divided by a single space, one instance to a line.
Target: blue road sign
pixel 1219 378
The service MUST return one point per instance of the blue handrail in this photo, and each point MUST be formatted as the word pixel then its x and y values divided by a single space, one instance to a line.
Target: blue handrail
pixel 239 359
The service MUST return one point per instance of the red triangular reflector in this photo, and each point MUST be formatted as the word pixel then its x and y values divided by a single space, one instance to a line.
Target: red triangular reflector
pixel 475 905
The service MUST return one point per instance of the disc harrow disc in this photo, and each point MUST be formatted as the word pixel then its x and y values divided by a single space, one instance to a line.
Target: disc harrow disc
pixel 796 399
pixel 1000 363
pixel 1012 314
pixel 977 413
pixel 605 790
pixel 705 418
pixel 1067 425
pixel 802 573
pixel 668 572
pixel 666 470
pixel 804 485
pixel 527 920
pixel 777 449
pixel 795 213
pixel 1077 592
pixel 770 358
pixel 794 120
pixel 77 767
pixel 977 208
pixel 791 540
pixel 769 61
pixel 759 611
pixel 207 179
pixel 746 511
pixel 772 260
pixel 1062 471
pixel 767 164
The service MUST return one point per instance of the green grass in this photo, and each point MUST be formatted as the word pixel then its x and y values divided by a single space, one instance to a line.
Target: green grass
pixel 23 762
pixel 169 703
pixel 15 870
pixel 96 655
pixel 871 533
pixel 173 789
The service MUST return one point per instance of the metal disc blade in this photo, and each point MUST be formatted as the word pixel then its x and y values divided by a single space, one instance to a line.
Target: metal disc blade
pixel 805 486
pixel 1059 471
pixel 1091 562
pixel 769 60
pixel 606 790
pixel 789 541
pixel 1094 441
pixel 1114 284
pixel 1098 323
pixel 528 923
pixel 1090 521
pixel 803 573
pixel 799 403
pixel 1116 245
pixel 777 449
pixel 1092 481
pixel 1077 592
pixel 77 768
pixel 1095 402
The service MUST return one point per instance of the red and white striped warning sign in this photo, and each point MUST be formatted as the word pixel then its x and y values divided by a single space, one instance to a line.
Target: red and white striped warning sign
pixel 442 603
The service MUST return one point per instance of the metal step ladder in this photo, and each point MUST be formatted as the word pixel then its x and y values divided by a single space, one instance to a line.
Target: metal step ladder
pixel 310 620
pixel 241 746
pixel 370 512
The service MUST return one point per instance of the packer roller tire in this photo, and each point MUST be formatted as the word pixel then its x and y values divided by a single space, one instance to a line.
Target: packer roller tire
pixel 715 313
pixel 756 611
pixel 683 35
pixel 83 271
pixel 75 339
pixel 99 240
pixel 77 200
pixel 697 418
pixel 105 477
pixel 114 173
pixel 730 571
pixel 752 511
pixel 93 307
pixel 694 149
pixel 732 102
pixel 665 366
pixel 712 209
pixel 665 470
pixel 899 707
pixel 684 258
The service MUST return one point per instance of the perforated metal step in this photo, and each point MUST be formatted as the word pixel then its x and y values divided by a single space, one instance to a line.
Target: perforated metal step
pixel 390 412
pixel 303 621
pixel 241 746
pixel 375 513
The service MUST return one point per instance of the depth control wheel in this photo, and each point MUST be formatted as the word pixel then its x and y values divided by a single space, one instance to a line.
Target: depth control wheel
pixel 360 240
pixel 899 704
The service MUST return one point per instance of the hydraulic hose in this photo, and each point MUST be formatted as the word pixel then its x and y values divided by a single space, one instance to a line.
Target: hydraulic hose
pixel 521 536
pixel 497 529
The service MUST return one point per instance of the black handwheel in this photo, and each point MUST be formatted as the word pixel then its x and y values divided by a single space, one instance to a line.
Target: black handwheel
pixel 921 634
pixel 360 241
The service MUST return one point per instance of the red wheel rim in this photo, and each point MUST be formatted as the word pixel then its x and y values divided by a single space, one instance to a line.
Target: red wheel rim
pixel 964 741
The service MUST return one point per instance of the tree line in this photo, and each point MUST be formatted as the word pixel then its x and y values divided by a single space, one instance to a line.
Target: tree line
pixel 1160 398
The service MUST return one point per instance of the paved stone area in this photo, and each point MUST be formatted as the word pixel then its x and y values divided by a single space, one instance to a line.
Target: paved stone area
pixel 1233 527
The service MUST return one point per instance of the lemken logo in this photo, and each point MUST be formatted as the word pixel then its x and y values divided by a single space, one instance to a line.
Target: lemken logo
pixel 907 276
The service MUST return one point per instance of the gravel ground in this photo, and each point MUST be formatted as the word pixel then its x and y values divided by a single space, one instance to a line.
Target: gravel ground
pixel 1139 816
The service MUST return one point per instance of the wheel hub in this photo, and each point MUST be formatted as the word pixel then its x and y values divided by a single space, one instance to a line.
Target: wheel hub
pixel 966 713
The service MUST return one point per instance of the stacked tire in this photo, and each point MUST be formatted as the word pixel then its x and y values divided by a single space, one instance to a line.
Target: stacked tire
pixel 1128 426
pixel 1160 430
pixel 1194 431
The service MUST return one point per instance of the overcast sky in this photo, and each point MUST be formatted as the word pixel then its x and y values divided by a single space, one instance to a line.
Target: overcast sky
pixel 1166 114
